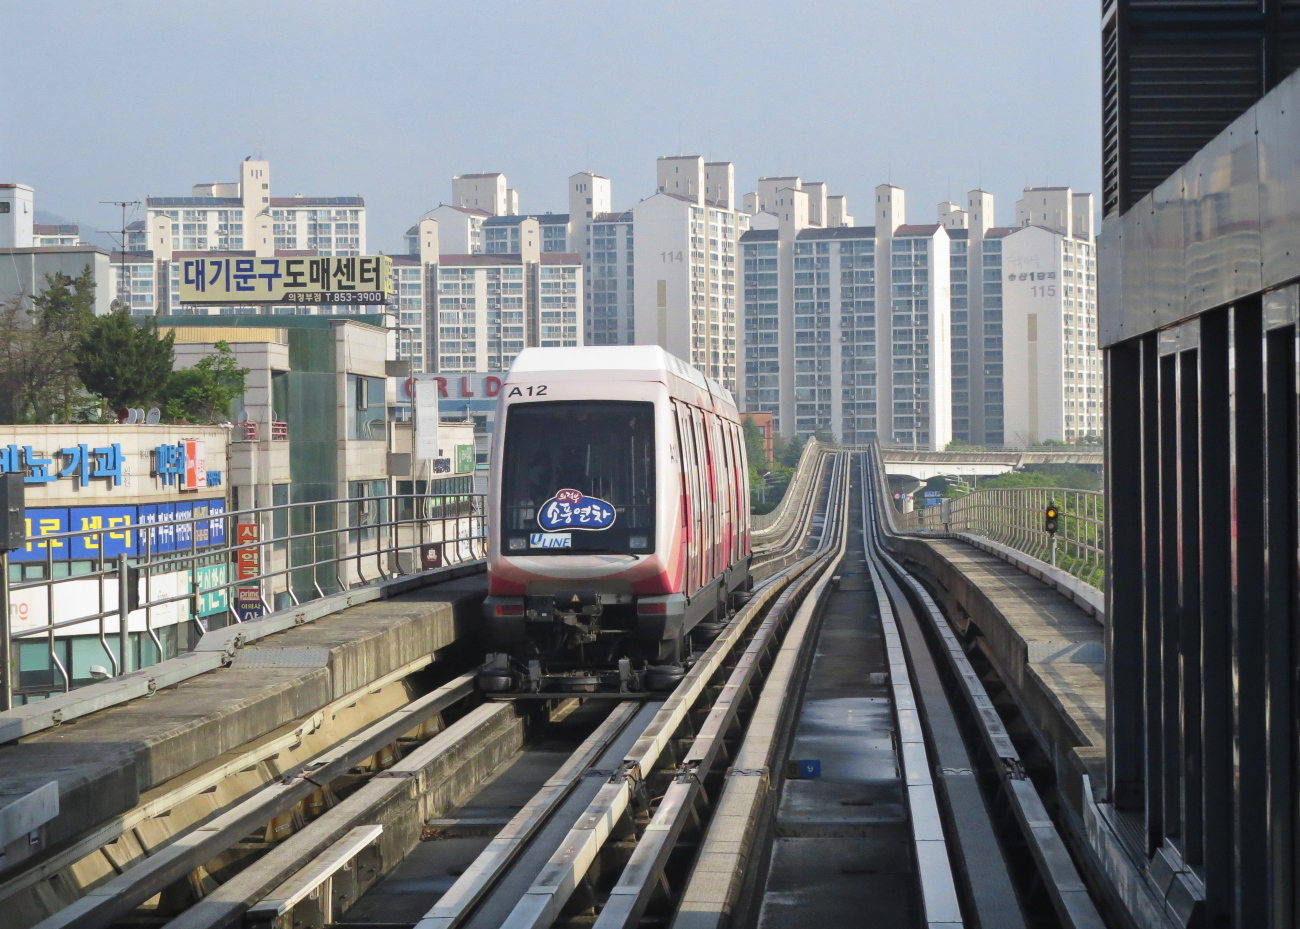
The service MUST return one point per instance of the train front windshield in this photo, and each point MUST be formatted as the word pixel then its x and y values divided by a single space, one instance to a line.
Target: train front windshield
pixel 578 477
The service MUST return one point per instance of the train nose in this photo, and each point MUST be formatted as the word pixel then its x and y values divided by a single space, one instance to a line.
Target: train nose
pixel 586 602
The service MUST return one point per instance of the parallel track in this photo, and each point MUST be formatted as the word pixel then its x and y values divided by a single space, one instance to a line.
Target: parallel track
pixel 665 810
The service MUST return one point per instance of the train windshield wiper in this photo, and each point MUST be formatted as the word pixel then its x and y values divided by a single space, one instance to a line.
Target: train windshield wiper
pixel 599 551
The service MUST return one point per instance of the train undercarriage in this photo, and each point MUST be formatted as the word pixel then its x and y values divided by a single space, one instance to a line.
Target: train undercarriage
pixel 580 640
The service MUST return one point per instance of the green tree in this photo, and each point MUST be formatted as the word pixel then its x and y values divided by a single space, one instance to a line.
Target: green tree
pixel 755 448
pixel 1017 479
pixel 1069 476
pixel 204 393
pixel 123 362
pixel 38 339
pixel 790 452
pixel 62 314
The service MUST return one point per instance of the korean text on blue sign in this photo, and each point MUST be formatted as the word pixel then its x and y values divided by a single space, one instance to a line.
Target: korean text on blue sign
pixel 121 530
pixel 81 463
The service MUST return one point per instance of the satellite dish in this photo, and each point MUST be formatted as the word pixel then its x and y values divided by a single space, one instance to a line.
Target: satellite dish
pixel 152 417
pixel 243 416
pixel 122 414
pixel 132 416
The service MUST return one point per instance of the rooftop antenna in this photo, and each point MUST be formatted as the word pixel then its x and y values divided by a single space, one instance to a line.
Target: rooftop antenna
pixel 121 273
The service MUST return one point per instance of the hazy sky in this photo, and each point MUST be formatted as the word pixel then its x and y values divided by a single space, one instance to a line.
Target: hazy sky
pixel 116 101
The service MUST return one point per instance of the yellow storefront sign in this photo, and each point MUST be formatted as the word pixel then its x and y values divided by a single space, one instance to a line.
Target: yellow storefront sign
pixel 223 279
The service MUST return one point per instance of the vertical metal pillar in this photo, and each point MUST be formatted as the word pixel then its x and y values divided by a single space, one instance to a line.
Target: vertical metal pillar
pixel 1215 617
pixel 1250 699
pixel 123 610
pixel 6 637
pixel 1123 528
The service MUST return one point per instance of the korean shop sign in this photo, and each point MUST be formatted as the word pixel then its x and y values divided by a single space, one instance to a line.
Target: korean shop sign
pixel 184 465
pixel 80 463
pixel 357 279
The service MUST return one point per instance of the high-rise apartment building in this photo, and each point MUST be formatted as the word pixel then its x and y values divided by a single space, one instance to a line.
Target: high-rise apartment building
pixel 991 405
pixel 686 249
pixel 611 280
pixel 896 331
pixel 501 234
pixel 487 192
pixel 1053 371
pixel 827 348
pixel 17 216
pixel 475 312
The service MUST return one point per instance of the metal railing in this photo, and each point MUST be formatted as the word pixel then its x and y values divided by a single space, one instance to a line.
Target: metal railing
pixel 186 573
pixel 1015 517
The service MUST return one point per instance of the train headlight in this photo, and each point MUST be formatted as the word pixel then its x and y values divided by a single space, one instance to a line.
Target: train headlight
pixel 638 541
pixel 518 545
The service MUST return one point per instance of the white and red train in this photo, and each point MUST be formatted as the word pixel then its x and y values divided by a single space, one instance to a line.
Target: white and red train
pixel 619 507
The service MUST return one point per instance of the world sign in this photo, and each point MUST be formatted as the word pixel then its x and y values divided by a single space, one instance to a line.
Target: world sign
pixel 569 509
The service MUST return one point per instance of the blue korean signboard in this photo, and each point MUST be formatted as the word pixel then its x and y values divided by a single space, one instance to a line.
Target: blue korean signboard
pixel 121 530
pixel 571 509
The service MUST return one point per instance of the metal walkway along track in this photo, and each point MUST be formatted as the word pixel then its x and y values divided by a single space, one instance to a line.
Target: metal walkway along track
pixel 830 758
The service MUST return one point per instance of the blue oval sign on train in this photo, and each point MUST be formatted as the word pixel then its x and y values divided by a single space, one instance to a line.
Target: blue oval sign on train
pixel 571 509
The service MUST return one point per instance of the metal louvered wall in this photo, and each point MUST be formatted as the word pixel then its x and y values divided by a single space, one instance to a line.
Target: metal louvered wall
pixel 1175 72
pixel 1199 314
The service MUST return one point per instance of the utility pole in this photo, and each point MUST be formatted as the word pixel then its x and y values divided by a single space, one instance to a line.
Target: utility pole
pixel 121 272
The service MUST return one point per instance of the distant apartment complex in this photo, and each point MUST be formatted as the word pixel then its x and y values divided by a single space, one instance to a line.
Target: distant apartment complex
pixel 913 334
pixel 239 219
pixel 674 255
pixel 499 281
pixel 824 353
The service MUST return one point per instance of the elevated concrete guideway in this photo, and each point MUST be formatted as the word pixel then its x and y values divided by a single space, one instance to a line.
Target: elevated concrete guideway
pixel 924 465
pixel 308 684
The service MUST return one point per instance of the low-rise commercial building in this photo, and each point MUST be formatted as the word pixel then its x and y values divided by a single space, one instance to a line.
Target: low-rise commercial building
pixel 136 491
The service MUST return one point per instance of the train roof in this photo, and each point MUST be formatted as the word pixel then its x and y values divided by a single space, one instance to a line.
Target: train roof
pixel 617 362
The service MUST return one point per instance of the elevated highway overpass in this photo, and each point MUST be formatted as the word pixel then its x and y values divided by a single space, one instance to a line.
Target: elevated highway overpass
pixel 924 465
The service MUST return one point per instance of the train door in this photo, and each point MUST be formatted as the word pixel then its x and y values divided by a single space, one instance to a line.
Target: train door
pixel 726 493
pixel 742 490
pixel 692 464
pixel 709 498
pixel 736 481
pixel 686 448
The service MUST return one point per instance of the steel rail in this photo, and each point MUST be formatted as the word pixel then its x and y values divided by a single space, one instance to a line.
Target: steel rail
pixel 560 877
pixel 939 900
pixel 493 862
pixel 1069 896
pixel 643 876
pixel 116 898
pixel 225 907
pixel 164 801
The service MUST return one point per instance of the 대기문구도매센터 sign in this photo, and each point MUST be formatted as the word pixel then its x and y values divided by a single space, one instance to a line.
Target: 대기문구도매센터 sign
pixel 227 279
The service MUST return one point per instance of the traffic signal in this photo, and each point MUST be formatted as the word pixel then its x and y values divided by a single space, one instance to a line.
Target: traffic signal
pixel 1049 519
